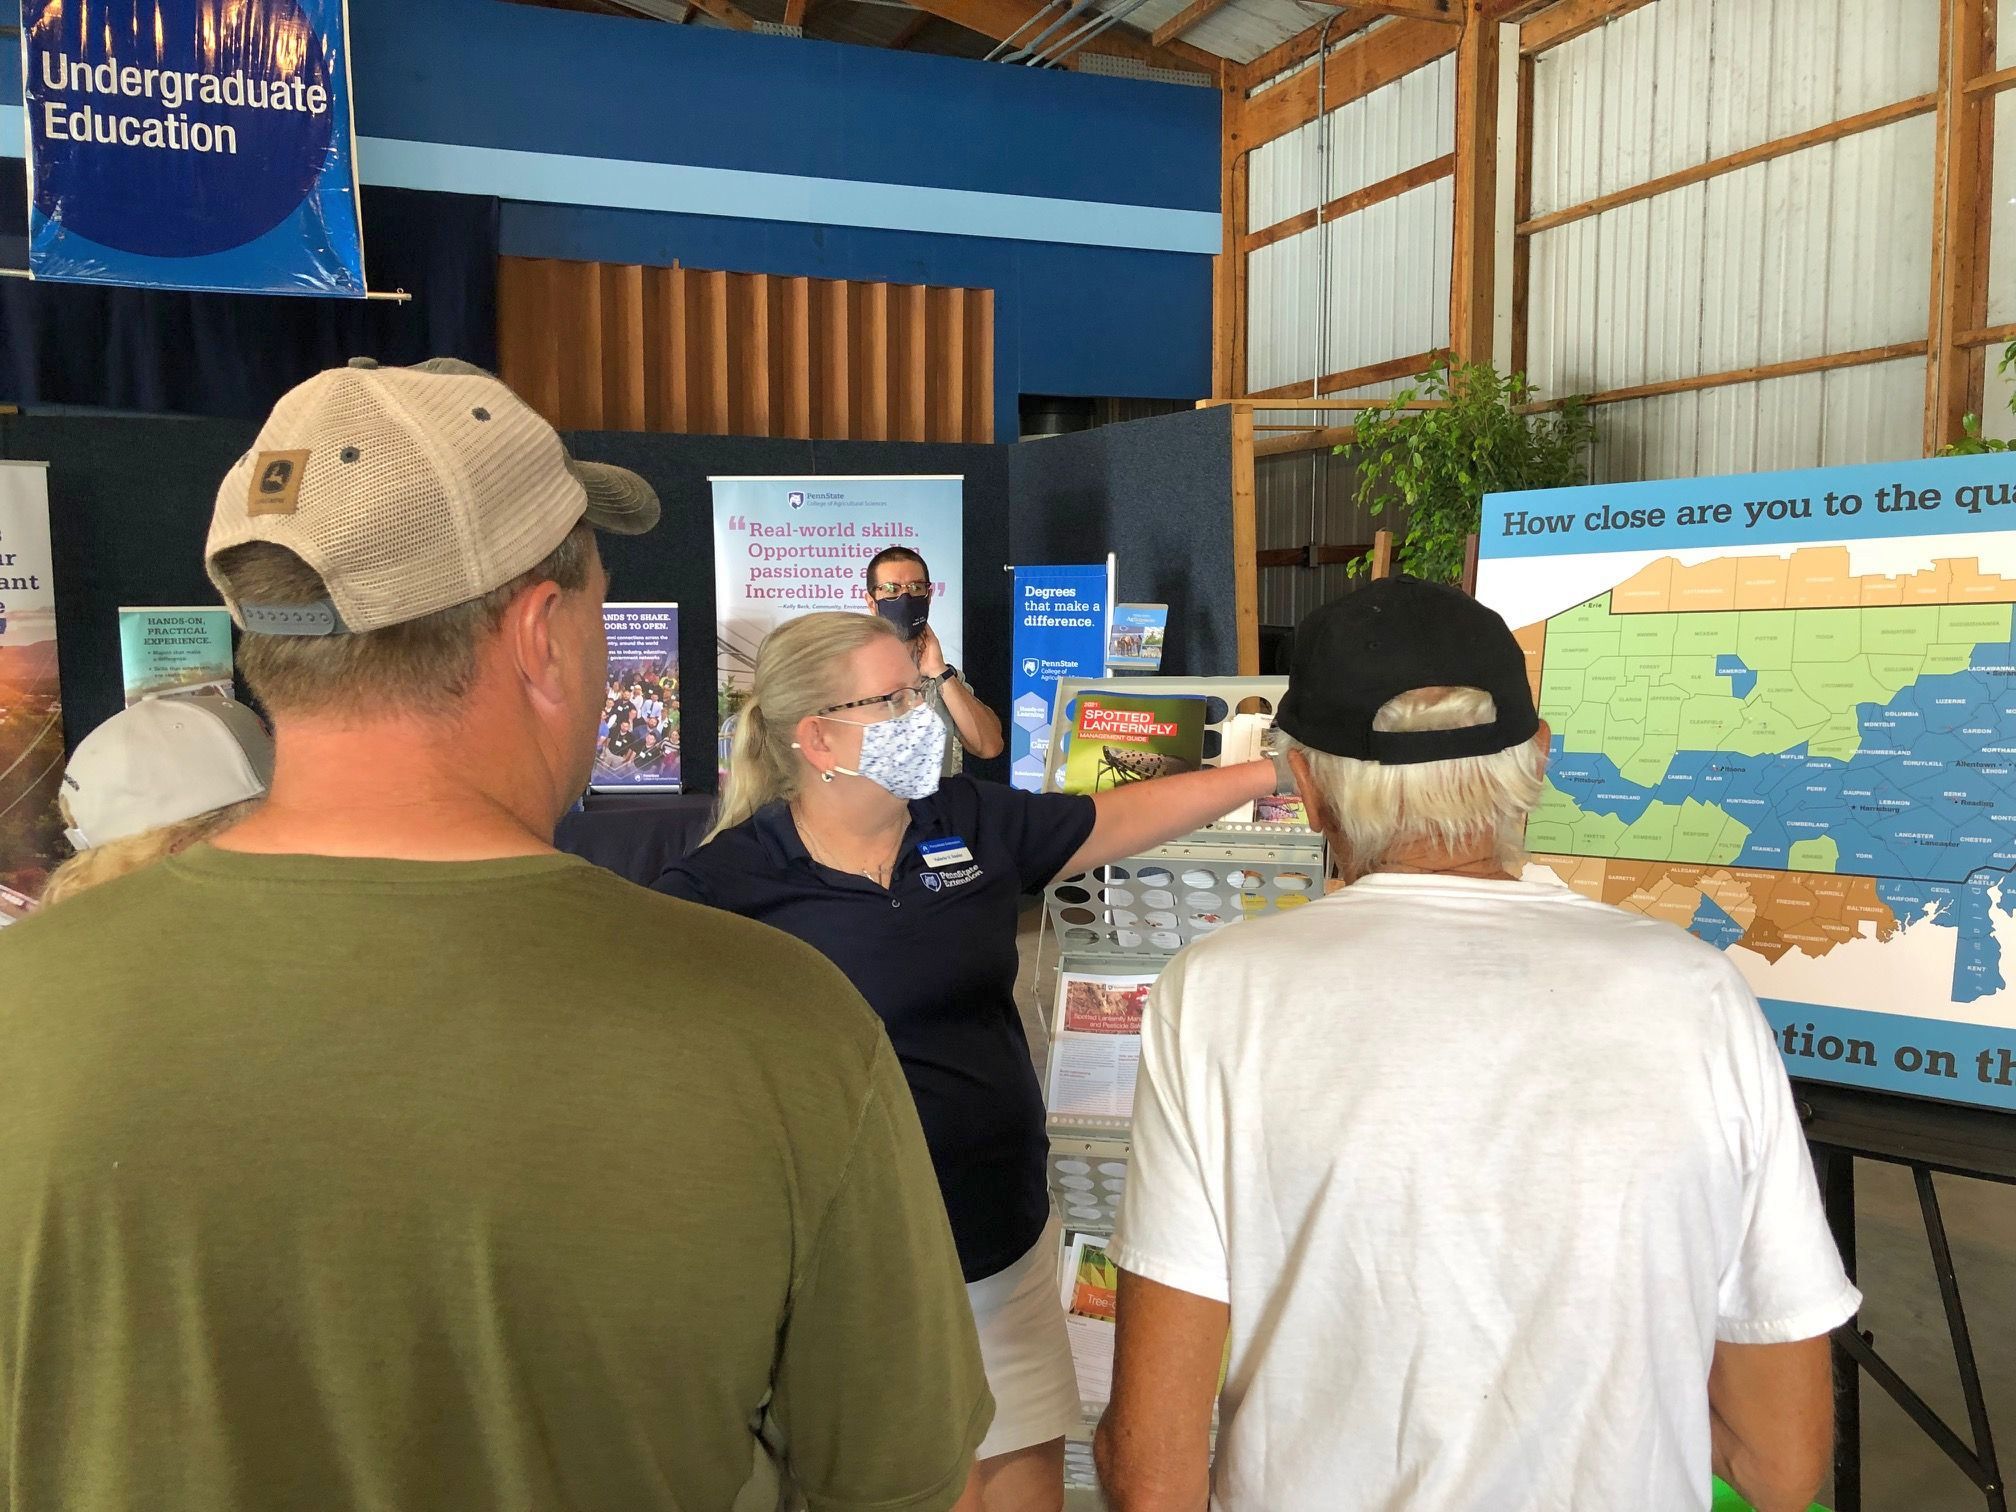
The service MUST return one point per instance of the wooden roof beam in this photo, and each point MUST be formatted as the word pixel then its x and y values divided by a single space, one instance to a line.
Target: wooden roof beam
pixel 1415 10
pixel 1350 20
pixel 1370 62
pixel 1002 19
pixel 1565 20
pixel 1183 20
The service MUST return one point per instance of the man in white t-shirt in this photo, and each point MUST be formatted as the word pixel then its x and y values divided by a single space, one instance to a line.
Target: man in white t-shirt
pixel 1498 1192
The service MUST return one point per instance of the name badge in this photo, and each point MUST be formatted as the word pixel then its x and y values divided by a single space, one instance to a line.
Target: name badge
pixel 939 854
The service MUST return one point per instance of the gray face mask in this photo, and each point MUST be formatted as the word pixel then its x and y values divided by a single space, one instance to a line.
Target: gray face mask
pixel 906 756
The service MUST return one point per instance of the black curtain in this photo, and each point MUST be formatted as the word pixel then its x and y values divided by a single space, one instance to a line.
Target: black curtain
pixel 156 352
pixel 1157 493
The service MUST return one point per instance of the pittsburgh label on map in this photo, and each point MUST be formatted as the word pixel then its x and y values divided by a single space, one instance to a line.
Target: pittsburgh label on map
pixel 1783 715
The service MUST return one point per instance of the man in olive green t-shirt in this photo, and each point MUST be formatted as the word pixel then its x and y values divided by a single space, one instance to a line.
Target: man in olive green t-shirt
pixel 379 1157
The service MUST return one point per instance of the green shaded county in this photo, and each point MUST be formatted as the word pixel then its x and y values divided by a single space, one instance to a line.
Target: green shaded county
pixel 1640 688
pixel 1822 855
pixel 1688 833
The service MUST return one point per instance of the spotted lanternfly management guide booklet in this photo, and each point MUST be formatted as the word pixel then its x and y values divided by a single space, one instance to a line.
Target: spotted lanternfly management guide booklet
pixel 1118 738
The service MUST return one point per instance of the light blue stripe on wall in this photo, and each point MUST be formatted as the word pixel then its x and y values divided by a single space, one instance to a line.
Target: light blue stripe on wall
pixel 549 178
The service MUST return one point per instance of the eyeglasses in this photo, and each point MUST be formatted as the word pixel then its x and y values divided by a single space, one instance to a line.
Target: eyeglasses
pixel 900 590
pixel 895 705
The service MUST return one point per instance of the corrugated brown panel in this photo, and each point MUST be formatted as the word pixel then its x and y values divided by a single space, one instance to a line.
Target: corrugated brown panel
pixel 607 346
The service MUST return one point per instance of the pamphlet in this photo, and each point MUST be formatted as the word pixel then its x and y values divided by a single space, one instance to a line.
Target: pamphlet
pixel 1096 1053
pixel 175 651
pixel 1091 1306
pixel 1138 634
pixel 1118 738
pixel 1245 739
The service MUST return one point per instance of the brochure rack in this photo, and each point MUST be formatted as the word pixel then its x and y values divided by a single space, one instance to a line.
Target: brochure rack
pixel 1126 920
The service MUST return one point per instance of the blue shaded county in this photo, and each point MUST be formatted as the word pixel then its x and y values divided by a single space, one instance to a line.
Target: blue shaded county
pixel 1741 679
pixel 1927 804
pixel 1715 926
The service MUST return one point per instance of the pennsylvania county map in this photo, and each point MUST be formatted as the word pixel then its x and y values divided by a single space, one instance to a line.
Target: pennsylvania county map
pixel 1787 755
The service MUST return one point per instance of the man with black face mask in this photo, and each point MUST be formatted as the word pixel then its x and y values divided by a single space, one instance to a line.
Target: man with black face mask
pixel 899 590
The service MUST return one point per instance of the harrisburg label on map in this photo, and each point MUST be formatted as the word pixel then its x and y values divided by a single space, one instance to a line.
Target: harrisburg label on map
pixel 1783 715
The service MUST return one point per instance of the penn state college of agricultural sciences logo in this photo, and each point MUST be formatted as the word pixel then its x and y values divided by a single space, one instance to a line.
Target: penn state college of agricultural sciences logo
pixel 795 498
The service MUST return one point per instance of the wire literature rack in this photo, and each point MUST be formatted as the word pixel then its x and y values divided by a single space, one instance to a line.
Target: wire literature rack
pixel 1116 927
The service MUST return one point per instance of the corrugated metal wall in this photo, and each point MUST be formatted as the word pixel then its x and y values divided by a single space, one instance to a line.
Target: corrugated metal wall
pixel 1822 251
pixel 1389 297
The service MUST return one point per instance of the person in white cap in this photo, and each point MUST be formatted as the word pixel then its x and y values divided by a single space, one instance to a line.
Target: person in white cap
pixel 379 1156
pixel 154 780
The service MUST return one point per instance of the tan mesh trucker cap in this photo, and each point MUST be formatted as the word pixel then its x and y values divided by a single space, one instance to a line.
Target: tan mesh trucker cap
pixel 410 490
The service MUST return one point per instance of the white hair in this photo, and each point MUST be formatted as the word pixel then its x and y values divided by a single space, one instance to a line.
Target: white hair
pixel 1374 810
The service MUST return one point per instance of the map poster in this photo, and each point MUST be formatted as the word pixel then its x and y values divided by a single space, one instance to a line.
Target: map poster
pixel 1784 716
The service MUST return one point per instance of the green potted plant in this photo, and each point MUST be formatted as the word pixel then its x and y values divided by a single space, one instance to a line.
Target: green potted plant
pixel 1972 443
pixel 1437 464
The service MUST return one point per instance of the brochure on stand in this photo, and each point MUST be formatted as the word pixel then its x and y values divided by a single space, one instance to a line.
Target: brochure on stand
pixel 1096 1052
pixel 1139 631
pixel 1244 738
pixel 1118 738
pixel 1091 1290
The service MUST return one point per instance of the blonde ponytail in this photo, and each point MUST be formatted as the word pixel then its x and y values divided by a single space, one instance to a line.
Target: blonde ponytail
pixel 119 858
pixel 801 668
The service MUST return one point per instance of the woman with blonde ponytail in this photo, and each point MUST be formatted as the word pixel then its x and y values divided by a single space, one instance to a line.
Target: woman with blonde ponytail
pixel 838 826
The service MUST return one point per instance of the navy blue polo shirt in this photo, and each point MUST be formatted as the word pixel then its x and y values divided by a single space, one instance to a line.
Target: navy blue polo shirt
pixel 934 954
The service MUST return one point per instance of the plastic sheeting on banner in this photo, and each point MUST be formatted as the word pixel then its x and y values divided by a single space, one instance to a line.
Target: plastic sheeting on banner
pixel 191 145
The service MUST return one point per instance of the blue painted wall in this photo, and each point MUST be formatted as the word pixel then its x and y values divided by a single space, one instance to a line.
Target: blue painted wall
pixel 766 126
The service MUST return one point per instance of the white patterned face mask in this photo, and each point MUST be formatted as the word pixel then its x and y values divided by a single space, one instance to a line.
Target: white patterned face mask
pixel 904 755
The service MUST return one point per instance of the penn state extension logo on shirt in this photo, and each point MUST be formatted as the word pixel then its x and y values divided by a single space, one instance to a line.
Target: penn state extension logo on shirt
pixel 950 864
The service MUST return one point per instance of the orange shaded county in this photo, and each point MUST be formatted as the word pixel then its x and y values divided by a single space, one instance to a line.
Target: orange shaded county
pixel 1810 912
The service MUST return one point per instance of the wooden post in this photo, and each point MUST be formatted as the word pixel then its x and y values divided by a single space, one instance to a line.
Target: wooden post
pixel 1470 564
pixel 1962 191
pixel 1382 553
pixel 1473 273
pixel 1522 211
pixel 1245 543
pixel 1228 271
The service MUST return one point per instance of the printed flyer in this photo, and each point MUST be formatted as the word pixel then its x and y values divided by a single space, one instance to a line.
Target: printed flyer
pixel 638 744
pixel 175 651
pixel 1096 1052
pixel 1091 1298
pixel 1120 738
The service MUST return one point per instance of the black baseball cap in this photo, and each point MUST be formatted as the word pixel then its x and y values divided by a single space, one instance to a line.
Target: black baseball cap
pixel 1356 654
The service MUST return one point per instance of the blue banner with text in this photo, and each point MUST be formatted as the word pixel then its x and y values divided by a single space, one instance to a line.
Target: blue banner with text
pixel 1061 615
pixel 187 144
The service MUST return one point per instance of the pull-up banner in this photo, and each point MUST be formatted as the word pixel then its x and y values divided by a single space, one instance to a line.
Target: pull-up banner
pixel 1063 616
pixel 192 144
pixel 790 546
pixel 31 700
